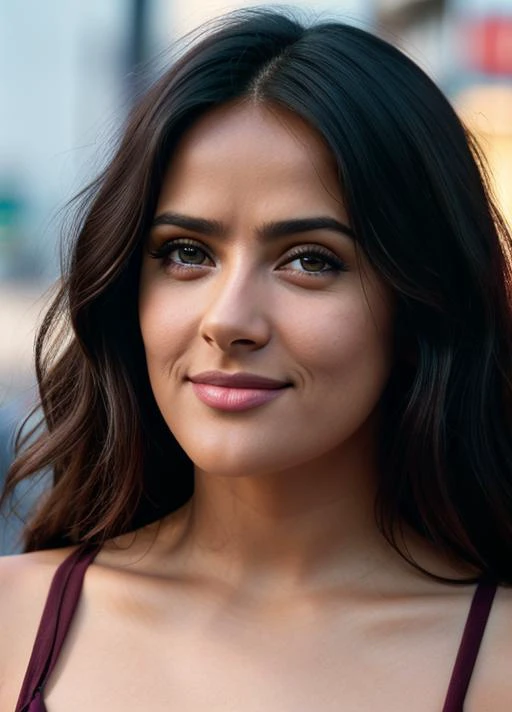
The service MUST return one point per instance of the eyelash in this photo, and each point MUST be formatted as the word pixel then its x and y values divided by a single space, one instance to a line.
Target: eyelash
pixel 335 264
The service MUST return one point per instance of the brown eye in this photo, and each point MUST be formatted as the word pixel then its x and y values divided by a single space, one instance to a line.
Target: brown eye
pixel 188 254
pixel 182 254
pixel 310 263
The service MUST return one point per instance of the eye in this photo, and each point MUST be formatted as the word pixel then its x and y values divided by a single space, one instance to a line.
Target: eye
pixel 313 261
pixel 187 254
pixel 182 254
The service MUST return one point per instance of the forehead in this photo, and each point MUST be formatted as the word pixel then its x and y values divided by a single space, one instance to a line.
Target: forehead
pixel 267 152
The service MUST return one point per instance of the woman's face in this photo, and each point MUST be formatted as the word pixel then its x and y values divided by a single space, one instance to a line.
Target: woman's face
pixel 268 343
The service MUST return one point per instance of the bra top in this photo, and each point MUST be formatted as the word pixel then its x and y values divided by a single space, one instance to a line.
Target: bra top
pixel 65 592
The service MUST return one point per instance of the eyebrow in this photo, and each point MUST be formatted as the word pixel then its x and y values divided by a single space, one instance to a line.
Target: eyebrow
pixel 281 228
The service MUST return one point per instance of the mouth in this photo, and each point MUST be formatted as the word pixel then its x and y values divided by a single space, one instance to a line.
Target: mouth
pixel 237 391
pixel 238 380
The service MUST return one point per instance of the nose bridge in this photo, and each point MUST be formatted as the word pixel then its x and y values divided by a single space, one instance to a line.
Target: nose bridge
pixel 236 312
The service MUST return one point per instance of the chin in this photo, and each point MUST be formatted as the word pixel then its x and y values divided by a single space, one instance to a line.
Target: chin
pixel 233 465
pixel 256 459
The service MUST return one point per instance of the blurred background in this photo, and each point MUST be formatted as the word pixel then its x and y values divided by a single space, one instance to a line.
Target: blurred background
pixel 69 71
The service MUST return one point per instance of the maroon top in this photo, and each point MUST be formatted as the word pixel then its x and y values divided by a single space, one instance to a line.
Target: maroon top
pixel 58 613
pixel 64 595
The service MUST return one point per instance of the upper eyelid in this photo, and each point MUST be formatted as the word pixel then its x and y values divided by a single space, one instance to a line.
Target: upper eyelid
pixel 169 242
pixel 309 247
pixel 323 252
pixel 168 239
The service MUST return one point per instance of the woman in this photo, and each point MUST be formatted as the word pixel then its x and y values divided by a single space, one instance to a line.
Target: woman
pixel 280 427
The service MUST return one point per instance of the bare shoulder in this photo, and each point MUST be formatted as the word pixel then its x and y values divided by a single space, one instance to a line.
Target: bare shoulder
pixel 491 690
pixel 24 583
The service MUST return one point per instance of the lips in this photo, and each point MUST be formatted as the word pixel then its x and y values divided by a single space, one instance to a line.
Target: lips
pixel 237 391
pixel 237 380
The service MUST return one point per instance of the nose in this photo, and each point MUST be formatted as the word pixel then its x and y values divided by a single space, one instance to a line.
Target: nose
pixel 236 316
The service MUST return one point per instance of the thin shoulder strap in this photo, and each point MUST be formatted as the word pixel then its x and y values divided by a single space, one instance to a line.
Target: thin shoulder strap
pixel 469 646
pixel 58 612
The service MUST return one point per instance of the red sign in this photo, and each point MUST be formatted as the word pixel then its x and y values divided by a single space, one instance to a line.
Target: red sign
pixel 487 44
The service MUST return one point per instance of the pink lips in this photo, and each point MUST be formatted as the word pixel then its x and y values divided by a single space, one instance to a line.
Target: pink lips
pixel 237 391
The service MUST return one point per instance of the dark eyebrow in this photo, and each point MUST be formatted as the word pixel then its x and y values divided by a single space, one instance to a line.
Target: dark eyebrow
pixel 293 227
pixel 270 230
pixel 200 225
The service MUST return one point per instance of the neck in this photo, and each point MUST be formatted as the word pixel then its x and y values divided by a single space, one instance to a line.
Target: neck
pixel 286 528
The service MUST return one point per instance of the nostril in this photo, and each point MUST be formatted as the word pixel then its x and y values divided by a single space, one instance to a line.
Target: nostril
pixel 244 342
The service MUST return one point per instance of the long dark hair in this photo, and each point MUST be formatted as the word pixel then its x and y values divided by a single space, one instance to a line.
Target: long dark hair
pixel 420 207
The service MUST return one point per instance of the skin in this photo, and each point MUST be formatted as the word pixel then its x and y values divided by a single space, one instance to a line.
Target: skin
pixel 275 572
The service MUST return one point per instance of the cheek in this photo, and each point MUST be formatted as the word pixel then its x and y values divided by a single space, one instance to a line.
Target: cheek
pixel 346 362
pixel 166 328
pixel 342 338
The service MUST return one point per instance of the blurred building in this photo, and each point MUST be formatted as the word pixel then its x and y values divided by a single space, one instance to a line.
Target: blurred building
pixel 63 69
pixel 466 46
pixel 483 93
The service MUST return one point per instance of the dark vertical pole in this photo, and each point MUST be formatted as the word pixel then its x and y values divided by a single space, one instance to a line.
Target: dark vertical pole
pixel 137 45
